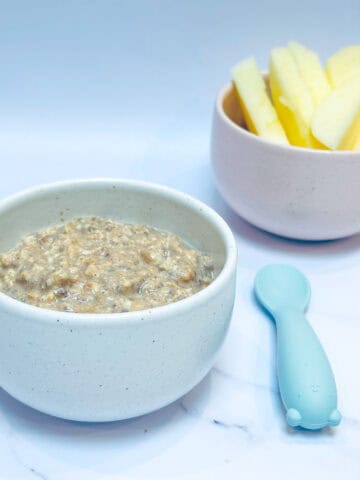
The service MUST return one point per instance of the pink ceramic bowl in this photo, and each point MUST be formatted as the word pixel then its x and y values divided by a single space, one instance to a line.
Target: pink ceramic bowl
pixel 294 192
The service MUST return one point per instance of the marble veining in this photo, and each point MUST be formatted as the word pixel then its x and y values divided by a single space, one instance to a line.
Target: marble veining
pixel 29 470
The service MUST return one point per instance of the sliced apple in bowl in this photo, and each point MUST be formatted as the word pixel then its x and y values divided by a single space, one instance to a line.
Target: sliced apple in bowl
pixel 260 115
pixel 336 122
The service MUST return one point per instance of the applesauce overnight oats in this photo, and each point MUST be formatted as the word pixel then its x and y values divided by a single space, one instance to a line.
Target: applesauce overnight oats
pixel 94 265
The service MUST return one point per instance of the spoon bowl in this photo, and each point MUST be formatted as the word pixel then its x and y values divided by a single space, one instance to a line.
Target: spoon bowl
pixel 279 287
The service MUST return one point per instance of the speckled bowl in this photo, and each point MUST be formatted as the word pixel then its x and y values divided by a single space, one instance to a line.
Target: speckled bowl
pixel 103 367
pixel 294 192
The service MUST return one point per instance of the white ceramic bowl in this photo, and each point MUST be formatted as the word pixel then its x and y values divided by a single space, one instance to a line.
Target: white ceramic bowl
pixel 102 367
pixel 294 192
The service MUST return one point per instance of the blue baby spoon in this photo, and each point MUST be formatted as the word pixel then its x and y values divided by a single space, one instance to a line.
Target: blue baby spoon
pixel 306 381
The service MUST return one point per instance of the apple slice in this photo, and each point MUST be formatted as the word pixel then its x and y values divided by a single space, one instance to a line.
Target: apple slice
pixel 260 115
pixel 357 144
pixel 292 98
pixel 336 123
pixel 311 71
pixel 343 65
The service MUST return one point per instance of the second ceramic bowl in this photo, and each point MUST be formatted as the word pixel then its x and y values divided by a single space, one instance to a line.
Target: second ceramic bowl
pixel 294 192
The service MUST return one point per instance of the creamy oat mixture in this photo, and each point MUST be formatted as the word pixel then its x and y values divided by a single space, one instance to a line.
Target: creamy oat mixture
pixel 95 265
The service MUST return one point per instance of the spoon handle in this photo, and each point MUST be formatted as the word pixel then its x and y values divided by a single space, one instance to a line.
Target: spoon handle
pixel 306 381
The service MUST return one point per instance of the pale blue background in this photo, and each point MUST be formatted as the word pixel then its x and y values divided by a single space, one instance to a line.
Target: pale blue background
pixel 115 88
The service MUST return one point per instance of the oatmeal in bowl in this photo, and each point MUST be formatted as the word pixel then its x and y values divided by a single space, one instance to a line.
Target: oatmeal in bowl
pixel 75 256
pixel 96 265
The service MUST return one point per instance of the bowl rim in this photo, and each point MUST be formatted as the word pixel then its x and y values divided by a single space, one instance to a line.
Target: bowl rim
pixel 341 154
pixel 16 307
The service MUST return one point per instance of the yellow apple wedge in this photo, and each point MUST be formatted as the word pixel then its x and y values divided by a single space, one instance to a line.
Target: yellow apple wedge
pixel 343 65
pixel 292 98
pixel 311 71
pixel 357 144
pixel 336 122
pixel 260 115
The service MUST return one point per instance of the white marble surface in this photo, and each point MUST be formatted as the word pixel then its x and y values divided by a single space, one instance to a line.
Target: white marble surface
pixel 233 421
pixel 77 104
